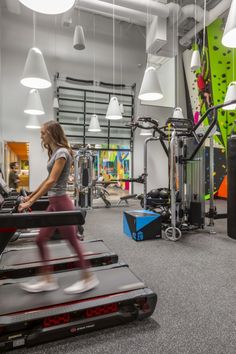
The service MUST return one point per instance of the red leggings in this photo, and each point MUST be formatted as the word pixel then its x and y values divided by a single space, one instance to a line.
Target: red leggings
pixel 69 232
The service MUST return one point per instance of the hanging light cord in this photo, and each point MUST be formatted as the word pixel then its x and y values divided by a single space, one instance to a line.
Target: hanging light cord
pixel 204 28
pixel 233 64
pixel 55 50
pixel 195 14
pixel 121 66
pixel 174 13
pixel 34 26
pixel 177 74
pixel 94 64
pixel 113 47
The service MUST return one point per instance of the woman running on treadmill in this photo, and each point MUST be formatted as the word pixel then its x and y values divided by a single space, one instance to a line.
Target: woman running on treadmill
pixel 58 166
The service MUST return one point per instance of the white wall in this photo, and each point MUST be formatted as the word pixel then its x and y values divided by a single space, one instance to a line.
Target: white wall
pixel 56 44
pixel 157 159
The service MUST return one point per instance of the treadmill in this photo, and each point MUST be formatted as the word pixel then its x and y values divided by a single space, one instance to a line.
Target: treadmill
pixel 18 262
pixel 29 319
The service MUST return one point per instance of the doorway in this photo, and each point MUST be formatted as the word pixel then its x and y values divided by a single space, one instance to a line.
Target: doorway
pixel 17 152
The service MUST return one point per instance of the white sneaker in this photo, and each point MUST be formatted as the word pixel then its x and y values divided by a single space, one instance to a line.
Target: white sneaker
pixel 40 286
pixel 82 285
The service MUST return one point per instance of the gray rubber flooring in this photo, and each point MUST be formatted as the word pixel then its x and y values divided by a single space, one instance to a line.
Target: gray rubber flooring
pixel 195 279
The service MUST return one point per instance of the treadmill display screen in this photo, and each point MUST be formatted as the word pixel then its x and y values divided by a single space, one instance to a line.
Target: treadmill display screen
pixel 101 310
pixel 56 320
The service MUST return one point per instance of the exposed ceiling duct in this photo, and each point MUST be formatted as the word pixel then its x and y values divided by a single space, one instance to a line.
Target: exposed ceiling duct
pixel 154 7
pixel 212 15
pixel 135 11
pixel 106 9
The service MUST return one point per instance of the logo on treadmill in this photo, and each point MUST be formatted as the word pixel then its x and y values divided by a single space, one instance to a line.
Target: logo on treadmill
pixel 74 330
pixel 15 336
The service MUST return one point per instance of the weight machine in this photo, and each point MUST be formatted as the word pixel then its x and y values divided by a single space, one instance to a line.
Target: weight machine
pixel 183 207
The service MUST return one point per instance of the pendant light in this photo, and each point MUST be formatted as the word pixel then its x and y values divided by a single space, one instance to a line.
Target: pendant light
pixel 229 36
pixel 55 103
pixel 122 110
pixel 33 123
pixel 231 91
pixel 178 113
pixel 150 89
pixel 113 110
pixel 49 7
pixel 195 61
pixel 146 132
pixel 230 96
pixel 35 74
pixel 34 105
pixel 94 125
pixel 79 41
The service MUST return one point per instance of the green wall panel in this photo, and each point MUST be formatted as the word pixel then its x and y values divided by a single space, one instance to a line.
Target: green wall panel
pixel 222 72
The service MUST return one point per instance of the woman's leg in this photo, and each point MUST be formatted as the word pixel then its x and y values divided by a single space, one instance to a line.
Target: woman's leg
pixel 69 232
pixel 46 282
pixel 89 280
pixel 41 240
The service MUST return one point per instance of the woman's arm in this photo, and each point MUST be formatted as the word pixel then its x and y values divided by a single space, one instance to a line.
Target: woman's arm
pixel 36 191
pixel 46 185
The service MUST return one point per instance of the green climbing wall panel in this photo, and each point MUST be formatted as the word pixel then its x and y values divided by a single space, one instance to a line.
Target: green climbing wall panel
pixel 222 71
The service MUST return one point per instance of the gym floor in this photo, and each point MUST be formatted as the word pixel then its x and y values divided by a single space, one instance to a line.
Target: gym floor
pixel 195 279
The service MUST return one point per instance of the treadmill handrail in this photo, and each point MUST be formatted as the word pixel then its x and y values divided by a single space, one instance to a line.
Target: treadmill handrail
pixel 41 219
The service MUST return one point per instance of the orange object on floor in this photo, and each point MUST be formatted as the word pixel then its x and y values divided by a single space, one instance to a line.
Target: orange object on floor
pixel 223 190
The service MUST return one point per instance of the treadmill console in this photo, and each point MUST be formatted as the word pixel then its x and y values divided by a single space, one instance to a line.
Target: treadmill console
pixel 5 191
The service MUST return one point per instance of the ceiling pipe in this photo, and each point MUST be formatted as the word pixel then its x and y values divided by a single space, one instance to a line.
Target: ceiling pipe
pixel 105 9
pixel 174 12
pixel 155 8
pixel 212 15
pixel 189 11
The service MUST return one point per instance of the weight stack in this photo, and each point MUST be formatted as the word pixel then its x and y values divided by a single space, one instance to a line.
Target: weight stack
pixel 231 200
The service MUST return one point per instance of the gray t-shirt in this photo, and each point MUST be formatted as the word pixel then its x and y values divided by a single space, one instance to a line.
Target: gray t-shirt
pixel 59 188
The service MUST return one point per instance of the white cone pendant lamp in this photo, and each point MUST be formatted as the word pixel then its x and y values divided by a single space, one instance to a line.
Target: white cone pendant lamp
pixel 150 88
pixel 122 110
pixel 230 96
pixel 229 36
pixel 145 132
pixel 33 123
pixel 113 111
pixel 49 7
pixel 55 103
pixel 94 125
pixel 178 113
pixel 34 105
pixel 35 74
pixel 195 61
pixel 79 41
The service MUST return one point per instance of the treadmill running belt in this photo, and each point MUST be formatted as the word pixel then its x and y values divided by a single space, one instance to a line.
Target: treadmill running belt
pixel 17 256
pixel 112 281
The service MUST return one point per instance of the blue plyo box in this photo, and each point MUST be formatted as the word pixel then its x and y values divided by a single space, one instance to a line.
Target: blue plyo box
pixel 142 224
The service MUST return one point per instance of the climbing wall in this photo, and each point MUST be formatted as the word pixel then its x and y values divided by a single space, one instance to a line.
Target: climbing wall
pixel 221 64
